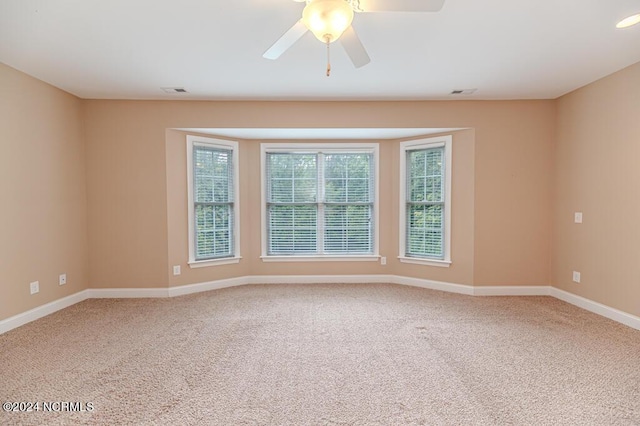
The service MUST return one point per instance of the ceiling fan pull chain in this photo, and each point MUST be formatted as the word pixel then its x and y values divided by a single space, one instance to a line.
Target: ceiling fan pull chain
pixel 328 58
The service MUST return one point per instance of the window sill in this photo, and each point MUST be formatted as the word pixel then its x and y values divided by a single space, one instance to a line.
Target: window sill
pixel 426 262
pixel 214 262
pixel 321 258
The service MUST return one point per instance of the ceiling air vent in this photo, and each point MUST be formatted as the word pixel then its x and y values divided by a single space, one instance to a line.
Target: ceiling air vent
pixel 462 92
pixel 174 90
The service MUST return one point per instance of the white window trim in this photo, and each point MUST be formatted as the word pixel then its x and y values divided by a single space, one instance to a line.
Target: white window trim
pixel 222 144
pixel 434 142
pixel 314 148
pixel 322 258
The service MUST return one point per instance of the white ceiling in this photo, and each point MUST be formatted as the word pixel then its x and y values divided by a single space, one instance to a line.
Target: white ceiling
pixel 129 49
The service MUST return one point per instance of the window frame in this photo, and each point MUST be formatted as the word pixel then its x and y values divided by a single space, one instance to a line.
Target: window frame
pixel 419 144
pixel 215 144
pixel 315 148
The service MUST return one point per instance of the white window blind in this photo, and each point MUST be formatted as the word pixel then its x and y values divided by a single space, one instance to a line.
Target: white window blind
pixel 425 203
pixel 291 197
pixel 319 203
pixel 348 190
pixel 213 202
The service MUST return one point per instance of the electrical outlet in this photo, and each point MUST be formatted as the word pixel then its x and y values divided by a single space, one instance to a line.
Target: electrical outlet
pixel 577 217
pixel 176 270
pixel 383 260
pixel 62 279
pixel 576 276
pixel 35 287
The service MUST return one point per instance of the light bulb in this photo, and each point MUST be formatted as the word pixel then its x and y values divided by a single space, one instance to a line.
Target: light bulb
pixel 629 21
pixel 327 19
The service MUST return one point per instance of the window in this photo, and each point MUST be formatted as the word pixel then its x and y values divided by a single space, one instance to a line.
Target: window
pixel 425 206
pixel 213 208
pixel 319 202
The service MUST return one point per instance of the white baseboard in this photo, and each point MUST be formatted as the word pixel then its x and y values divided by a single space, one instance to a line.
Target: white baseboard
pixel 432 285
pixel 318 279
pixel 597 308
pixel 207 286
pixel 42 311
pixel 124 293
pixel 532 290
pixel 127 293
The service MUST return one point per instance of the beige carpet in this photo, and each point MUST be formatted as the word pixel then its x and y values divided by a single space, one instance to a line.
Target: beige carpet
pixel 325 355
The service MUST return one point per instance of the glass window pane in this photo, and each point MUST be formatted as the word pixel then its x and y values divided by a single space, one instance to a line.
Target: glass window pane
pixel 280 166
pixel 213 231
pixel 212 175
pixel 425 230
pixel 304 190
pixel 348 229
pixel 281 190
pixel 417 189
pixel 358 191
pixel 335 190
pixel 304 166
pixel 348 178
pixel 292 178
pixel 426 175
pixel 292 229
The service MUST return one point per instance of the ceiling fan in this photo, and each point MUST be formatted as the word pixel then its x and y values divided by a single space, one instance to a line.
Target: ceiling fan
pixel 330 20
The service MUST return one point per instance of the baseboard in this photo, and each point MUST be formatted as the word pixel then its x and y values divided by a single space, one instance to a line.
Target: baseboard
pixel 363 279
pixel 432 285
pixel 42 311
pixel 125 293
pixel 206 286
pixel 597 308
pixel 540 290
pixel 318 279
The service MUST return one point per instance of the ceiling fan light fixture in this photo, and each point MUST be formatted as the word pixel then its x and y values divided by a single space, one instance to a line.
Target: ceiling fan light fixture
pixel 629 21
pixel 327 19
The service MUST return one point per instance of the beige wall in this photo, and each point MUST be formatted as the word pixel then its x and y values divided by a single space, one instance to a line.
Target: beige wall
pixel 97 189
pixel 43 223
pixel 137 198
pixel 126 195
pixel 597 172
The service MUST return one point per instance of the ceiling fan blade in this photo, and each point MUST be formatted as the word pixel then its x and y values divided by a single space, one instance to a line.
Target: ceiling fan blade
pixel 354 48
pixel 401 5
pixel 287 40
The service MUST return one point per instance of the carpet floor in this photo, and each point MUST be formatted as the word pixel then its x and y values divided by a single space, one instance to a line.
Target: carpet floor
pixel 336 354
